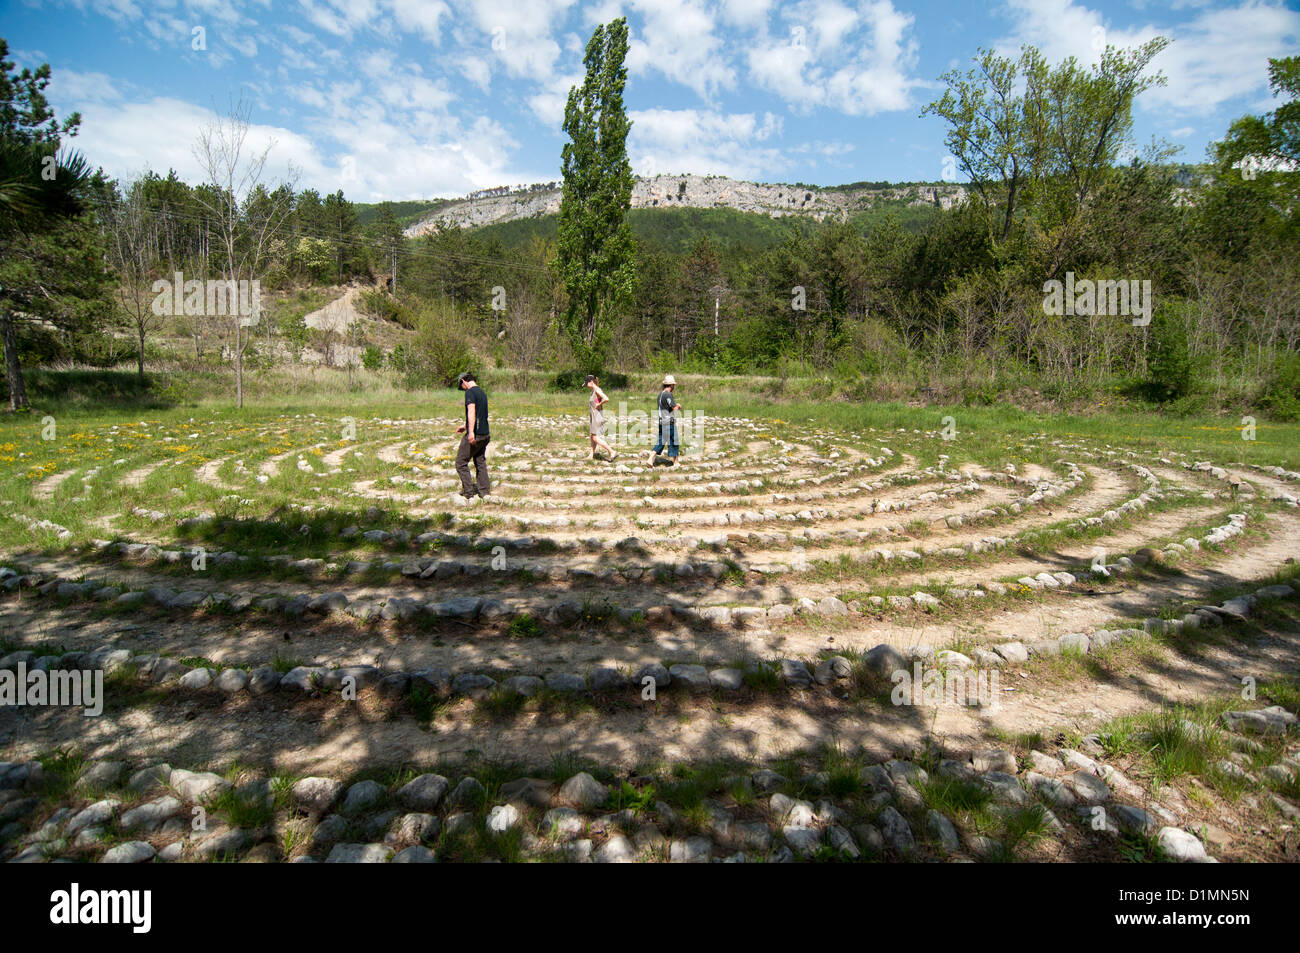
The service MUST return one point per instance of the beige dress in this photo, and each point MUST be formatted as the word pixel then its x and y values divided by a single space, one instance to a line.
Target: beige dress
pixel 597 427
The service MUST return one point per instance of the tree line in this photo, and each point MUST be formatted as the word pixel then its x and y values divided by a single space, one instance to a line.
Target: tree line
pixel 870 306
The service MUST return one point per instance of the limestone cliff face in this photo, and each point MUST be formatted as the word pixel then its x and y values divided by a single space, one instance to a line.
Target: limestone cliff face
pixel 694 191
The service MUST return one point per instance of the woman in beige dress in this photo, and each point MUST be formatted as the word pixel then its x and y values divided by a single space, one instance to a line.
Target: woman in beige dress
pixel 596 429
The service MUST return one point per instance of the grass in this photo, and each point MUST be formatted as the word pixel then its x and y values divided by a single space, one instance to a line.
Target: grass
pixel 63 767
pixel 628 798
pixel 1178 742
pixel 524 626
pixel 688 785
pixel 955 796
pixel 843 772
pixel 763 677
pixel 240 811
pixel 279 421
pixel 283 664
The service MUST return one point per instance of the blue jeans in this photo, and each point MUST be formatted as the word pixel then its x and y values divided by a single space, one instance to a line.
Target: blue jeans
pixel 667 436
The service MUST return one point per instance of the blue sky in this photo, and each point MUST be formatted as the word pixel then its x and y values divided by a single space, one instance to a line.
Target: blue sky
pixel 401 99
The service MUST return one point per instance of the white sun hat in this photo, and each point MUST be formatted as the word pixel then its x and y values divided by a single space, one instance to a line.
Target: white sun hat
pixel 669 379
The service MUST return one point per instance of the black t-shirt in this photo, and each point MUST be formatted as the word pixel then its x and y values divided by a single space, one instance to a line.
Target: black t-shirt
pixel 478 398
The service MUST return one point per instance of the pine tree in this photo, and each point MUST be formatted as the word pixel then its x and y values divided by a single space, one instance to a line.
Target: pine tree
pixel 341 224
pixel 50 269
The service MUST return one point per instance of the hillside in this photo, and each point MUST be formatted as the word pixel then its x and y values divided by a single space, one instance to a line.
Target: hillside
pixel 676 230
pixel 406 213
pixel 494 206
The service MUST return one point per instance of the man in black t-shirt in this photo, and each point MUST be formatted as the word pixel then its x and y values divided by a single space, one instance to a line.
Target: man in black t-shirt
pixel 473 446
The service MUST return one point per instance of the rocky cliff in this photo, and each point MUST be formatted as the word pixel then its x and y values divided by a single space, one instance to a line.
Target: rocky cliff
pixel 694 191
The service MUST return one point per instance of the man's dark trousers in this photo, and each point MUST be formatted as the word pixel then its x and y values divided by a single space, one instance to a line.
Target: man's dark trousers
pixel 473 451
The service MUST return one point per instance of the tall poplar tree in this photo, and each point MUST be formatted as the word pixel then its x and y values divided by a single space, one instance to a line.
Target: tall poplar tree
pixel 595 253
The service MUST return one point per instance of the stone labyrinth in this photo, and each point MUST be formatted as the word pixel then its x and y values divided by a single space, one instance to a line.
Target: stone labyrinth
pixel 330 613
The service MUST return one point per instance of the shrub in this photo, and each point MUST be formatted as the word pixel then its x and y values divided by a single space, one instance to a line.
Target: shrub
pixel 573 380
pixel 293 328
pixel 372 358
pixel 1281 393
pixel 1172 369
pixel 381 305
pixel 437 356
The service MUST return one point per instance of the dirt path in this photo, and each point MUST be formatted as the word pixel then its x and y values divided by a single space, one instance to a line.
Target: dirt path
pixel 338 315
pixel 255 640
pixel 47 487
pixel 560 497
pixel 328 737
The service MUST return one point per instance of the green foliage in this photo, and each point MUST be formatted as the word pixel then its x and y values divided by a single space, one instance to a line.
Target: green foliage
pixel 315 256
pixel 384 307
pixel 404 213
pixel 1280 396
pixel 293 328
pixel 1023 130
pixel 52 253
pixel 1255 195
pixel 437 356
pixel 372 358
pixel 1172 368
pixel 594 237
pixel 573 380
pixel 524 626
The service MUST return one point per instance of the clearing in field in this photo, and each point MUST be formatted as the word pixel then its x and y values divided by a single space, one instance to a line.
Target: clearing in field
pixel 304 629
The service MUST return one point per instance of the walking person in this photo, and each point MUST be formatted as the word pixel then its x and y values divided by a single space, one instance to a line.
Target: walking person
pixel 667 422
pixel 596 426
pixel 473 446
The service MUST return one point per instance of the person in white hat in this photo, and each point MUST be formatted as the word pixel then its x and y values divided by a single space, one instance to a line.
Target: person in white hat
pixel 667 422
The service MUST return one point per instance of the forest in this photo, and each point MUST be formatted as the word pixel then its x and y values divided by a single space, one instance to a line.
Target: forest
pixel 891 301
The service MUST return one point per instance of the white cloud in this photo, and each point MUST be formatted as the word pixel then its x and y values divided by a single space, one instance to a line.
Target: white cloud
pixel 1218 55
pixel 343 18
pixel 884 83
pixel 518 36
pixel 856 61
pixel 706 142
pixel 750 13
pixel 374 159
pixel 308 95
pixel 160 134
pixel 70 85
pixel 422 16
pixel 475 69
pixel 678 40
pixel 829 22
pixel 548 103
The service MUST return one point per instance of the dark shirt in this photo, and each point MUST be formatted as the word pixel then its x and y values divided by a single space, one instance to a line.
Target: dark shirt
pixel 478 398
pixel 666 403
